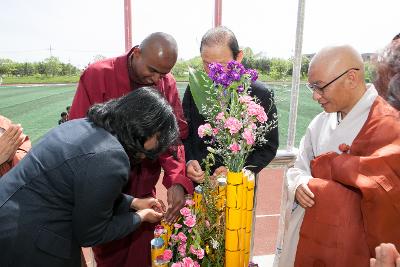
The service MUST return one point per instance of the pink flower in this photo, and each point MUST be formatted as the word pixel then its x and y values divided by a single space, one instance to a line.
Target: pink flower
pixel 167 254
pixel 182 237
pixel 254 109
pixel 190 221
pixel 177 264
pixel 192 250
pixel 220 116
pixel 245 99
pixel 189 202
pixel 196 264
pixel 207 223
pixel 182 249
pixel 185 211
pixel 215 131
pixel 200 253
pixel 262 117
pixel 177 226
pixel 233 124
pixel 204 130
pixel 235 148
pixel 159 230
pixel 248 135
pixel 187 262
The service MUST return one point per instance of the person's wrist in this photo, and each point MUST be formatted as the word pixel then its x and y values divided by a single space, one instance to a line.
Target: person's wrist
pixel 133 204
pixel 142 215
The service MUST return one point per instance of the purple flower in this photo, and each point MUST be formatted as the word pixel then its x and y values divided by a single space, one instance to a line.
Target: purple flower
pixel 253 74
pixel 237 67
pixel 240 88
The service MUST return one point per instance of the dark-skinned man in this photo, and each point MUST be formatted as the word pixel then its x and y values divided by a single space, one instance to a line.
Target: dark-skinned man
pixel 148 64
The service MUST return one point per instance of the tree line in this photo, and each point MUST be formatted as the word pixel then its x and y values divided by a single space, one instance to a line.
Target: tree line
pixel 51 66
pixel 273 69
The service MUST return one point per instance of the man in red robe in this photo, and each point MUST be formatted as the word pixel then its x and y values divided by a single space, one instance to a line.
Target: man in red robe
pixel 355 201
pixel 144 65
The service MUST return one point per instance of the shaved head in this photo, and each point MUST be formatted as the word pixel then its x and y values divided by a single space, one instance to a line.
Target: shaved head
pixel 153 59
pixel 339 70
pixel 161 45
pixel 337 58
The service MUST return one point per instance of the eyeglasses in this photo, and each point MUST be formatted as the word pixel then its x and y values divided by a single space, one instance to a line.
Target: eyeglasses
pixel 320 90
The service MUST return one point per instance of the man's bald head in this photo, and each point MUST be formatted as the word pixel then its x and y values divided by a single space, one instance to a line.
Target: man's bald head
pixel 337 75
pixel 335 59
pixel 161 45
pixel 153 59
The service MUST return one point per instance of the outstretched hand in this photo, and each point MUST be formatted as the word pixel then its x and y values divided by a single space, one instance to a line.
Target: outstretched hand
pixel 220 171
pixel 148 203
pixel 176 201
pixel 194 171
pixel 150 215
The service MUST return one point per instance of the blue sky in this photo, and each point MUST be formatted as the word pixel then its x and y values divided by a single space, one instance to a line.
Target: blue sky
pixel 77 30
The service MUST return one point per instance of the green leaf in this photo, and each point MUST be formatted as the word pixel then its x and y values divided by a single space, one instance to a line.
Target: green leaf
pixel 200 85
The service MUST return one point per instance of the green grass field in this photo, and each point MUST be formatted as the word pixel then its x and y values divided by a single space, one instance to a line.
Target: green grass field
pixel 38 108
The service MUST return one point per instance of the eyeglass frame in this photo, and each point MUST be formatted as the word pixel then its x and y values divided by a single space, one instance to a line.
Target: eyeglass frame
pixel 320 90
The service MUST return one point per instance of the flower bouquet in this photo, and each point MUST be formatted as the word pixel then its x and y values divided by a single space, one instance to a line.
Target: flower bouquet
pixel 215 228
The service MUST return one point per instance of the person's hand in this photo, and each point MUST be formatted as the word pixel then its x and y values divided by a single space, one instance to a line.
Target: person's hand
pixel 176 201
pixel 194 171
pixel 386 256
pixel 304 196
pixel 148 203
pixel 10 140
pixel 222 170
pixel 149 215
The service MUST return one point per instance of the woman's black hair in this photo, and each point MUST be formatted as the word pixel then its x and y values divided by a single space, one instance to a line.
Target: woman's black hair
pixel 136 117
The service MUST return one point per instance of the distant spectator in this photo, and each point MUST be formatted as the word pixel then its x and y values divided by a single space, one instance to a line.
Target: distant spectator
pixel 387 81
pixel 68 108
pixel 64 117
pixel 13 145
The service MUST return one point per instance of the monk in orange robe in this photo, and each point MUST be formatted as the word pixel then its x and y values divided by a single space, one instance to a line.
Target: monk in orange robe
pixel 344 189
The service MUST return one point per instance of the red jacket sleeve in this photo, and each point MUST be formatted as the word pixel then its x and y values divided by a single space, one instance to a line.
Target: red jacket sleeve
pixel 175 170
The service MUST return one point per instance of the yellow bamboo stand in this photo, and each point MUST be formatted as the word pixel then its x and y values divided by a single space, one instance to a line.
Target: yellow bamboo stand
pixel 239 217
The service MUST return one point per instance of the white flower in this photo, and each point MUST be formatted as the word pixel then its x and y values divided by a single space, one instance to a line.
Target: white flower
pixel 214 243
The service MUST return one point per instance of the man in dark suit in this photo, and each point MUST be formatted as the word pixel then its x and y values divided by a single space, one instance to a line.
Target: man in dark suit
pixel 66 193
pixel 219 45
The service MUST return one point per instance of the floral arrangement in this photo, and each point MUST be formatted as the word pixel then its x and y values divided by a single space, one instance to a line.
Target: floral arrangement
pixel 235 124
pixel 184 242
pixel 235 120
pixel 197 238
